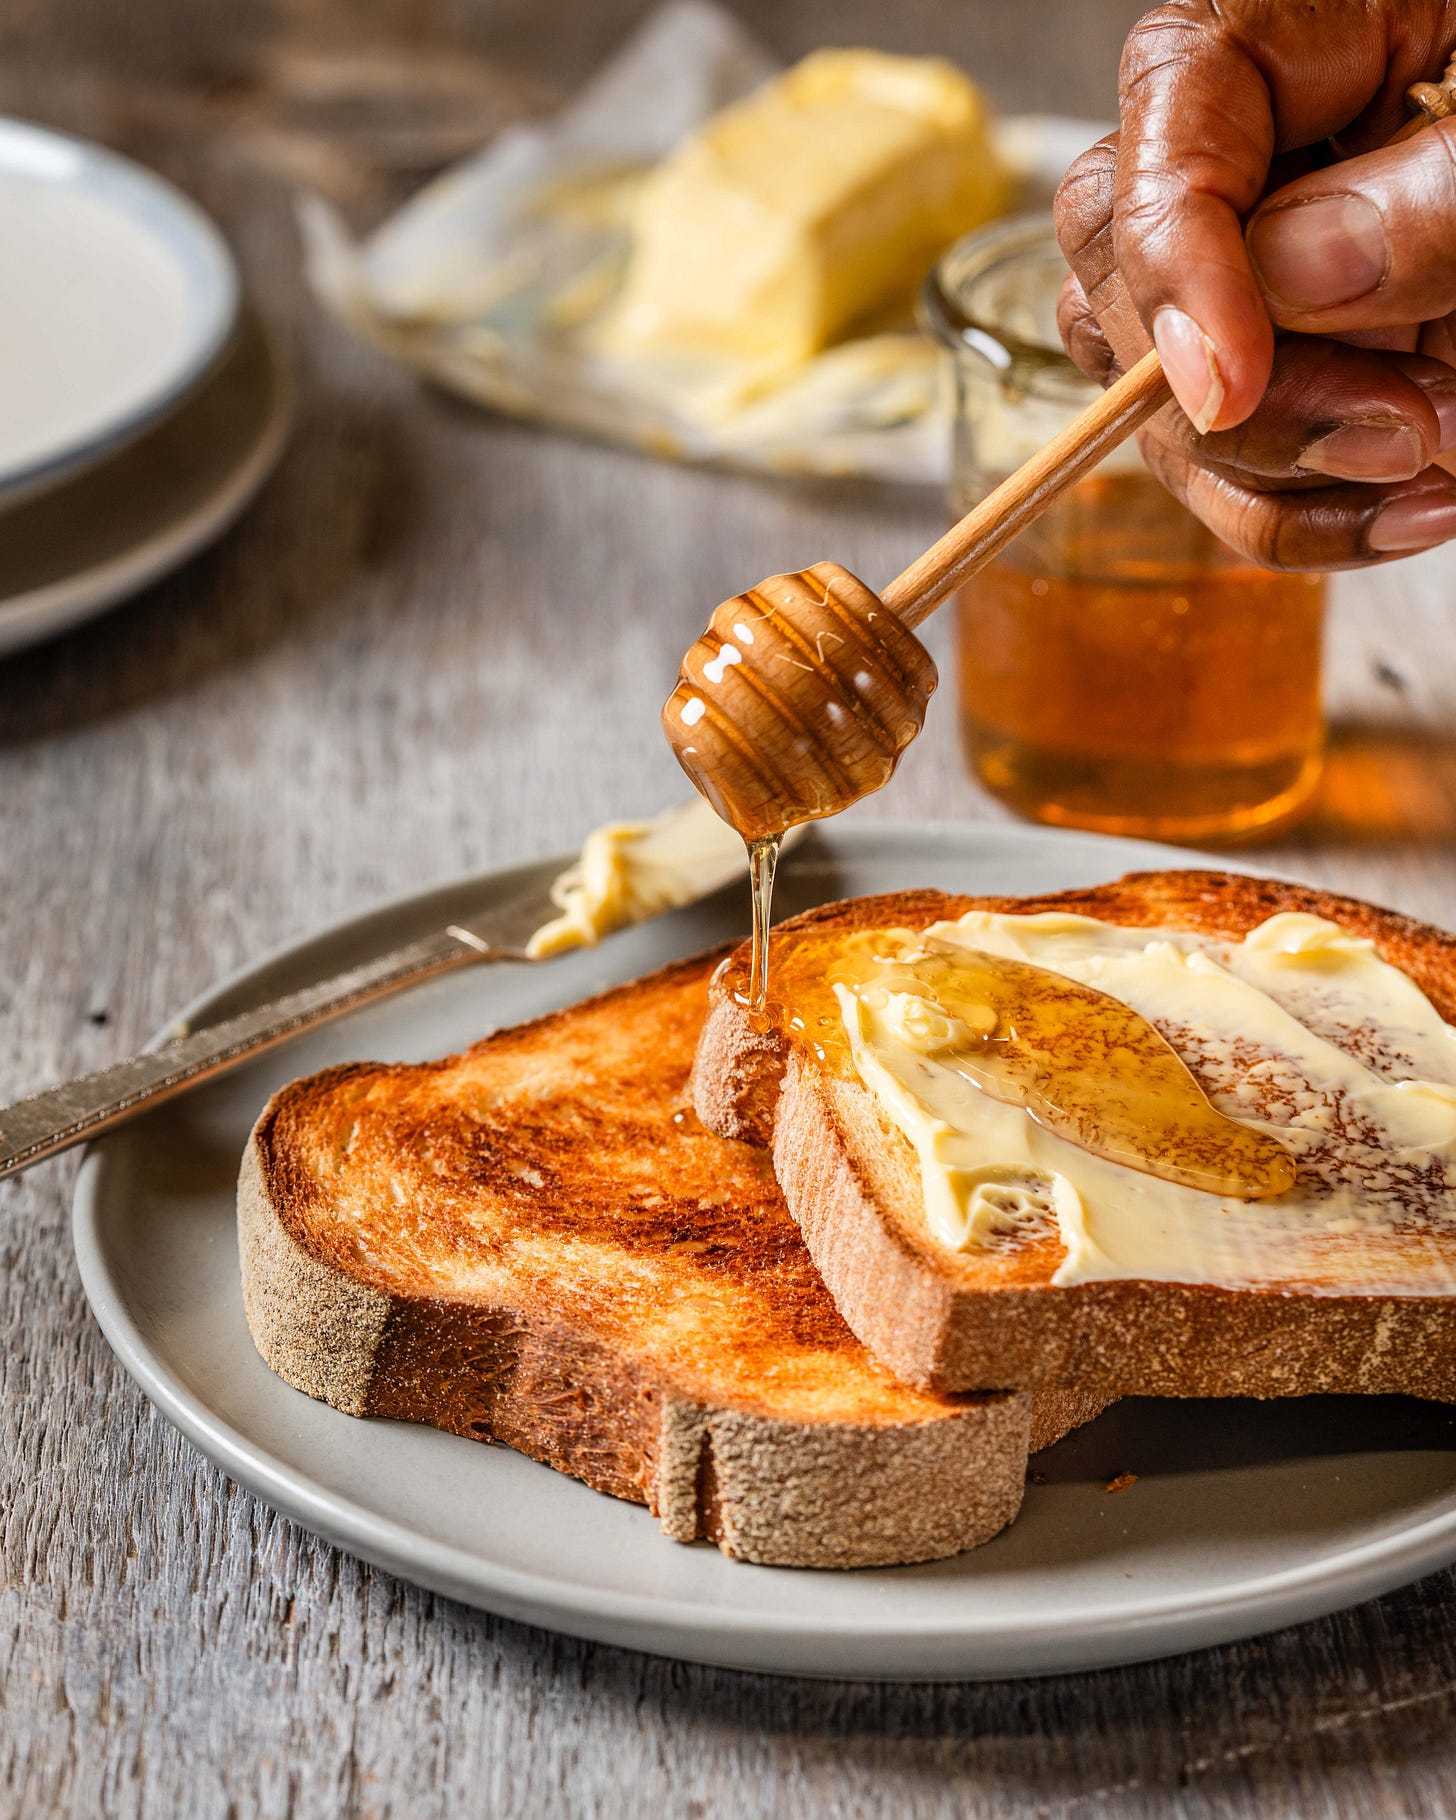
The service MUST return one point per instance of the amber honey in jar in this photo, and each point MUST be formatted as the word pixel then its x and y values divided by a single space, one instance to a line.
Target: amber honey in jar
pixel 1119 667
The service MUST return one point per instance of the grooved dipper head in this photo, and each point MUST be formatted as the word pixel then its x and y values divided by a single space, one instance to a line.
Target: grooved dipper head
pixel 797 700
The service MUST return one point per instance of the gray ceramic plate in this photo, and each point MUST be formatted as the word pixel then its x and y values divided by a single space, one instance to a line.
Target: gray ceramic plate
pixel 1243 1516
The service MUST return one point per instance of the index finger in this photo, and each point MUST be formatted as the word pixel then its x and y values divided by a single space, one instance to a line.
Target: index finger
pixel 1211 88
pixel 1193 155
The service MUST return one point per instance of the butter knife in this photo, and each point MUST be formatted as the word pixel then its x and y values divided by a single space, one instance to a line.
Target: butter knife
pixel 60 1117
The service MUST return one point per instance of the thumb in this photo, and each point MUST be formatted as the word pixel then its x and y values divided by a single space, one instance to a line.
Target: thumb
pixel 1367 244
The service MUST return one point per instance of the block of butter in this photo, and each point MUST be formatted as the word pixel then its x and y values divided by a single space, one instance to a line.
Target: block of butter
pixel 815 204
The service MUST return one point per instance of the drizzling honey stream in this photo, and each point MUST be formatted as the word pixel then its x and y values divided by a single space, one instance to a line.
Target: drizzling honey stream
pixel 763 859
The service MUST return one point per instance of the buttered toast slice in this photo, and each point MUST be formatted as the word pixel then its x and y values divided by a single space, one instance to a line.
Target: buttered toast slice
pixel 536 1242
pixel 966 1242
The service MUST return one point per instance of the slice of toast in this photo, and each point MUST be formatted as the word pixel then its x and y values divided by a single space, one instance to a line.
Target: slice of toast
pixel 536 1242
pixel 945 1318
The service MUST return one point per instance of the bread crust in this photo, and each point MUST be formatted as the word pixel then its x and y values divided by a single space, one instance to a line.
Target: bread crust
pixel 852 1183
pixel 910 1479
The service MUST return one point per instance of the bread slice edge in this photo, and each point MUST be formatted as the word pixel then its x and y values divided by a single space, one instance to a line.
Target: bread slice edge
pixel 786 1493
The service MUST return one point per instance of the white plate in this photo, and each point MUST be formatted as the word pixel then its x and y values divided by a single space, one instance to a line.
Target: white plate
pixel 118 294
pixel 91 541
pixel 1244 1516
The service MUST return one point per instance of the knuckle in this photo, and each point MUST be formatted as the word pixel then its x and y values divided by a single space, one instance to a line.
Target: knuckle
pixel 1159 185
pixel 1072 304
pixel 1106 292
pixel 1148 229
pixel 1277 530
pixel 1289 531
pixel 1221 170
pixel 1264 527
pixel 1168 464
pixel 1152 201
pixel 1159 41
pixel 1082 206
pixel 1082 335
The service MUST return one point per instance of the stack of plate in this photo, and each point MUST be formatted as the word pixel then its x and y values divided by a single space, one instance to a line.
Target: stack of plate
pixel 141 405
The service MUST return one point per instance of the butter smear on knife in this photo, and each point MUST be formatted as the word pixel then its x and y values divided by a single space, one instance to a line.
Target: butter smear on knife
pixel 628 871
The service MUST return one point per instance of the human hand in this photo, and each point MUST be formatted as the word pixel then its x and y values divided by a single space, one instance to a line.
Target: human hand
pixel 1219 214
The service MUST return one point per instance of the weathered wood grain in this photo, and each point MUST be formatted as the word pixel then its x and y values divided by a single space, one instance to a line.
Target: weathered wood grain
pixel 367 685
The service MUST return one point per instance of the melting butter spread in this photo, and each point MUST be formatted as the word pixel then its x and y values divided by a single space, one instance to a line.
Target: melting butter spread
pixel 1080 1062
pixel 628 871
pixel 1299 1037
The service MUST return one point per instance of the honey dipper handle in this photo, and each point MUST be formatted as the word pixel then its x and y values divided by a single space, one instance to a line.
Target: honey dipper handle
pixel 1026 494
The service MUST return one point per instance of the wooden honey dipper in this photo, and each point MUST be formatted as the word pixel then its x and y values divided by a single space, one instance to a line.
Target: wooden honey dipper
pixel 802 693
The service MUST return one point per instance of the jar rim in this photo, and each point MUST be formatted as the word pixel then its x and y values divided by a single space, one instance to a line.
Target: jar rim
pixel 943 310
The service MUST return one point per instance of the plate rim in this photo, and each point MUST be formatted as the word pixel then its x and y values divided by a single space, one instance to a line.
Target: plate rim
pixel 219 295
pixel 678 1624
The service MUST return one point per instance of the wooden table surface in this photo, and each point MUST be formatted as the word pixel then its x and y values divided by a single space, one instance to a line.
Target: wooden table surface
pixel 438 643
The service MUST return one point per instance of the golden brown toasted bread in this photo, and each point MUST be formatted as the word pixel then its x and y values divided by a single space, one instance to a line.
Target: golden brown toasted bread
pixel 536 1242
pixel 947 1318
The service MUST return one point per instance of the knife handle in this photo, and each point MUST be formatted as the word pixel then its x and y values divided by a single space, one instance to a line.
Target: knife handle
pixel 52 1121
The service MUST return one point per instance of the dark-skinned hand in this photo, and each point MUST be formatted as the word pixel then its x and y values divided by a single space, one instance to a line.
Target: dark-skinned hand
pixel 1296 273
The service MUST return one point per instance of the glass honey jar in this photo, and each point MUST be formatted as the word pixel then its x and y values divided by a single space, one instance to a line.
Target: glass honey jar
pixel 1119 667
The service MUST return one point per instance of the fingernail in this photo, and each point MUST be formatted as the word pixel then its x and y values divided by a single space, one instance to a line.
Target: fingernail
pixel 1414 523
pixel 1310 255
pixel 1367 451
pixel 1191 365
pixel 1441 396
